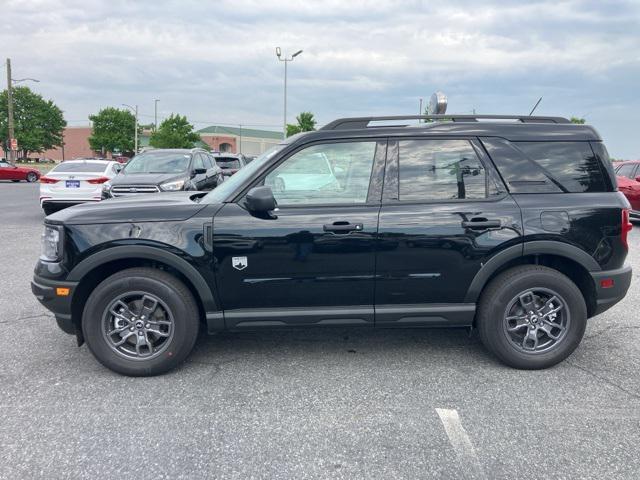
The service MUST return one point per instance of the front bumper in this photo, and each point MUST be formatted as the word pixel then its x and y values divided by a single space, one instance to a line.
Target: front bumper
pixel 607 296
pixel 48 293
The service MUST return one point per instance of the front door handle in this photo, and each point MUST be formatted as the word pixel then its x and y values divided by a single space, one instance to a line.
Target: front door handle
pixel 481 223
pixel 342 227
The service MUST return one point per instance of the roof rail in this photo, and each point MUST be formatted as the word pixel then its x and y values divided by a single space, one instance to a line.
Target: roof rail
pixel 363 122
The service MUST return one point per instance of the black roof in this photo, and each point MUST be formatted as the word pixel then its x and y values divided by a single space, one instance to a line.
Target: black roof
pixel 513 128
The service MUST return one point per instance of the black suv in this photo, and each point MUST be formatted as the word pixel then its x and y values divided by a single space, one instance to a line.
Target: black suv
pixel 512 226
pixel 165 170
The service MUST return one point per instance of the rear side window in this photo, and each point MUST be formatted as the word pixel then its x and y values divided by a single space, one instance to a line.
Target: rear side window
pixel 572 164
pixel 440 170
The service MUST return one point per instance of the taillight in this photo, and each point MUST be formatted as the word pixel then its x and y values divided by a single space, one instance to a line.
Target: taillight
pixel 49 180
pixel 96 181
pixel 626 227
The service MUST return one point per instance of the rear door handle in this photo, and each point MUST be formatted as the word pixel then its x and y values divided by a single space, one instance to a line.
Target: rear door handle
pixel 342 227
pixel 481 223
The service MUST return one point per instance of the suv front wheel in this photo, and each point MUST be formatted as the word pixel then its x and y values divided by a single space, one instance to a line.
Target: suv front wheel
pixel 140 322
pixel 531 317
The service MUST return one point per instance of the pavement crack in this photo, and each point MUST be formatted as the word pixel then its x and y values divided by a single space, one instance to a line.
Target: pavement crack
pixel 27 317
pixel 605 380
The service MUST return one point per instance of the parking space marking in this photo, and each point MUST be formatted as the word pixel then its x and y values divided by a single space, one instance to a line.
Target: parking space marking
pixel 461 443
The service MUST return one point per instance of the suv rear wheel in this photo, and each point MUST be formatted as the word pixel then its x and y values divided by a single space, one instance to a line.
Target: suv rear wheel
pixel 531 317
pixel 140 322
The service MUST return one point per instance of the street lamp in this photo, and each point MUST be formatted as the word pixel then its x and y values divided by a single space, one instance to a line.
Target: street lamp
pixel 10 126
pixel 285 60
pixel 135 110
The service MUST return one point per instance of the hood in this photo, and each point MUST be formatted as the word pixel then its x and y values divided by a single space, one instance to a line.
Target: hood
pixel 156 207
pixel 146 178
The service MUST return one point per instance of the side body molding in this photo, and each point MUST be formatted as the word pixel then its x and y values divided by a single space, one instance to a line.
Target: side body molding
pixel 149 253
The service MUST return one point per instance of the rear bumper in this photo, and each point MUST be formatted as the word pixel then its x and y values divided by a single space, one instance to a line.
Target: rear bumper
pixel 607 297
pixel 46 291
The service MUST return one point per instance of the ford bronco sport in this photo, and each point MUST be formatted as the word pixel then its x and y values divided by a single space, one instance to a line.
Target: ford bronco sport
pixel 509 225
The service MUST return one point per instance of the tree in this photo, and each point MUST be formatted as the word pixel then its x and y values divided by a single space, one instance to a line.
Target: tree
pixel 306 123
pixel 579 121
pixel 38 123
pixel 113 130
pixel 174 132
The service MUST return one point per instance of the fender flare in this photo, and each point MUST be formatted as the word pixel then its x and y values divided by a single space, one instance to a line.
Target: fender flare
pixel 548 247
pixel 148 253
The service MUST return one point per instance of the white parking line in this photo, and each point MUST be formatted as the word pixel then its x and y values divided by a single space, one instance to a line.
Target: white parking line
pixel 469 462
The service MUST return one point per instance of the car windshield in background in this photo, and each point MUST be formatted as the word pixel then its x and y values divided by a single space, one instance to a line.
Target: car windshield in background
pixel 80 167
pixel 220 193
pixel 228 163
pixel 165 162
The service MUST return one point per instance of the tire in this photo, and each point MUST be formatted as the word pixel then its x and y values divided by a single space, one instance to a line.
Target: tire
pixel 174 302
pixel 32 177
pixel 506 297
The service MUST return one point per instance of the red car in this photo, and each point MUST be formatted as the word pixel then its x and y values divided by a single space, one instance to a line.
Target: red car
pixel 628 176
pixel 11 172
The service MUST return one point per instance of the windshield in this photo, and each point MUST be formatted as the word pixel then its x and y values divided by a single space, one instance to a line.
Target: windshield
pixel 158 162
pixel 226 163
pixel 220 194
pixel 80 167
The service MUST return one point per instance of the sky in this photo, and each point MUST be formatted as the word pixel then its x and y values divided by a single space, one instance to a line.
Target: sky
pixel 215 61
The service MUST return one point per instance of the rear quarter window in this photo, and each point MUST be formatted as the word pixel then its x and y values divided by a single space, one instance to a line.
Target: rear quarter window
pixel 572 164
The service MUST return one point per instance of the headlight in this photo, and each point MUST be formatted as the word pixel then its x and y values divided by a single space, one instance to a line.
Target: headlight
pixel 174 185
pixel 51 244
pixel 106 186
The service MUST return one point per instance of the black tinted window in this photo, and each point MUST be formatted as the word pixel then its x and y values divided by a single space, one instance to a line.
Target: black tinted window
pixel 572 164
pixel 440 170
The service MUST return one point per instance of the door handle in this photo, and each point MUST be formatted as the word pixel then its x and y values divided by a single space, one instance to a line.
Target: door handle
pixel 481 223
pixel 342 227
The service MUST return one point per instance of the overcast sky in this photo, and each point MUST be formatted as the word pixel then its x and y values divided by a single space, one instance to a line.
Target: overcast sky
pixel 216 63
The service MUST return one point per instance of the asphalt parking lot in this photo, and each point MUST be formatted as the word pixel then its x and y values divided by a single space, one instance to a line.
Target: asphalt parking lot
pixel 331 403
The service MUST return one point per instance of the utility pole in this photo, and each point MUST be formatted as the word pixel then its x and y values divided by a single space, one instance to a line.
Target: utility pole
pixel 135 141
pixel 285 60
pixel 10 155
pixel 155 115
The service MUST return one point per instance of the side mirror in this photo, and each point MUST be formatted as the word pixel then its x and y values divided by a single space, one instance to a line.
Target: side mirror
pixel 198 171
pixel 260 200
pixel 638 178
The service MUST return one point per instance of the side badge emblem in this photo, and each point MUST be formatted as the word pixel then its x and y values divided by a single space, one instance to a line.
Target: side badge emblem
pixel 239 263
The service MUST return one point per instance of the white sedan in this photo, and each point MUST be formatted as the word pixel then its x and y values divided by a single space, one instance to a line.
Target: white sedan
pixel 75 181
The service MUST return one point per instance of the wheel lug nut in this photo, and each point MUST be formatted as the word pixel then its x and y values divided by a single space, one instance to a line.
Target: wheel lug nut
pixel 148 325
pixel 131 328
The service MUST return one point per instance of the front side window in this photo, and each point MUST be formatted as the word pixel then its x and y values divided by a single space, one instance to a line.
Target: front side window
pixel 440 170
pixel 626 170
pixel 335 173
pixel 198 162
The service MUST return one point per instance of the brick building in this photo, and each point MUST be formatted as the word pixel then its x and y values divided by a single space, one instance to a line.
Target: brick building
pixel 224 139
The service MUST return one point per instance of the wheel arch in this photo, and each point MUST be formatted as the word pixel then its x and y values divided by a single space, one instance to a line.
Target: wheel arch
pixel 94 269
pixel 567 259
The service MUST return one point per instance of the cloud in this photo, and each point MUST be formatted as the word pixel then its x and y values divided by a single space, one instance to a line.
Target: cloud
pixel 216 62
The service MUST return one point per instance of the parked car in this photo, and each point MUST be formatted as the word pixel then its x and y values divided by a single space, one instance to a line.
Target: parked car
pixel 8 171
pixel 628 176
pixel 513 227
pixel 75 181
pixel 229 163
pixel 166 170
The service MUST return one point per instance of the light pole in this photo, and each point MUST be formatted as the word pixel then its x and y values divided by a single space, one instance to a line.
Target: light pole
pixel 10 122
pixel 285 60
pixel 135 142
pixel 155 114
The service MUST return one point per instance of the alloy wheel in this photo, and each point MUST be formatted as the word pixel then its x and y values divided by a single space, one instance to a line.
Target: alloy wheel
pixel 536 320
pixel 138 326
